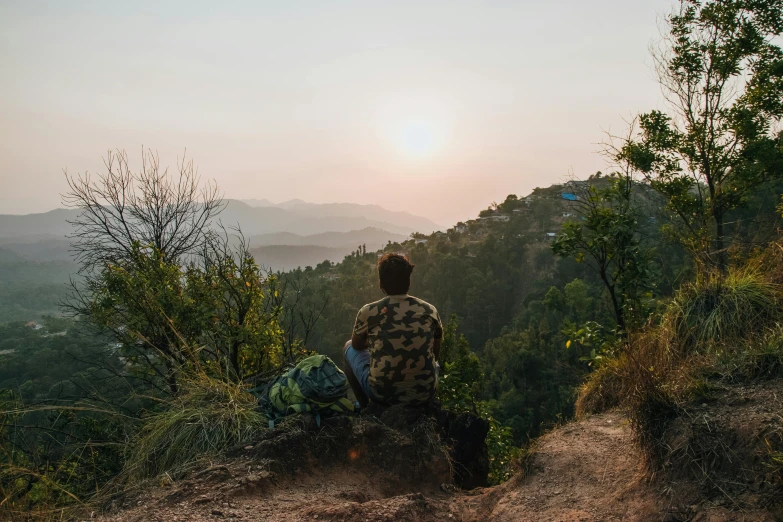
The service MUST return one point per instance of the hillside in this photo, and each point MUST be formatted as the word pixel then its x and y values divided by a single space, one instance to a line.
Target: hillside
pixel 584 471
pixel 510 311
pixel 29 289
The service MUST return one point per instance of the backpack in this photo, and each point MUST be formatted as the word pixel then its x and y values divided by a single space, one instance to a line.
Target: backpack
pixel 315 385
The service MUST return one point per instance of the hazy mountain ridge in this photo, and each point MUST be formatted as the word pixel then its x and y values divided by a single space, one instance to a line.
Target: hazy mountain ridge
pixel 283 238
pixel 373 237
pixel 289 257
pixel 301 219
pixel 287 251
pixel 371 212
pixel 39 249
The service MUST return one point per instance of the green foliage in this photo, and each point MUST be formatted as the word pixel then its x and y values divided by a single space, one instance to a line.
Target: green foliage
pixel 221 313
pixel 602 345
pixel 461 379
pixel 608 240
pixel 54 458
pixel 503 451
pixel 460 384
pixel 721 68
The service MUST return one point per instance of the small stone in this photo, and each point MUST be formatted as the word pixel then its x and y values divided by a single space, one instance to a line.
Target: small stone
pixel 217 512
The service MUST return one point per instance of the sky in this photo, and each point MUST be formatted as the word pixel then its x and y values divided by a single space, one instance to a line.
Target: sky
pixel 437 108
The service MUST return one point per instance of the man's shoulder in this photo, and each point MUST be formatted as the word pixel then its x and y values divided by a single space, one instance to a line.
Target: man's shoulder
pixel 414 301
pixel 374 308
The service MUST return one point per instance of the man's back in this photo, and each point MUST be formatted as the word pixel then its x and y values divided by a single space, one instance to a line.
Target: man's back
pixel 400 331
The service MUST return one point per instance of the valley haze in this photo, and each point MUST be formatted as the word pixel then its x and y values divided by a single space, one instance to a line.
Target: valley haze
pixel 282 236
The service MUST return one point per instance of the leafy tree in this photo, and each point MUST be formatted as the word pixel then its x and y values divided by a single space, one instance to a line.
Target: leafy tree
pixel 554 300
pixel 577 297
pixel 461 377
pixel 240 310
pixel 459 389
pixel 607 239
pixel 721 71
pixel 163 281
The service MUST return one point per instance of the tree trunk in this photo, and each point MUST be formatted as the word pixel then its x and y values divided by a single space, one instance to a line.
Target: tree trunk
pixel 234 359
pixel 720 258
pixel 618 309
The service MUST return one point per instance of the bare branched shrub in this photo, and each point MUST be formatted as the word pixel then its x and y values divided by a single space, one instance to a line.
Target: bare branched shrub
pixel 151 207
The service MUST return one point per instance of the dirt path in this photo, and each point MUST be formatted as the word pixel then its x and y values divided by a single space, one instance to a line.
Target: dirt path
pixel 585 471
pixel 582 472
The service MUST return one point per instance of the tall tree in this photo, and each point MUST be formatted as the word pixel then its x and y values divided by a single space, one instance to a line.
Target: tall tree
pixel 606 237
pixel 721 72
pixel 158 275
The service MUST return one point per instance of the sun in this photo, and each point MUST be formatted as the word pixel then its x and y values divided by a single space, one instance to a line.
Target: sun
pixel 416 127
pixel 418 139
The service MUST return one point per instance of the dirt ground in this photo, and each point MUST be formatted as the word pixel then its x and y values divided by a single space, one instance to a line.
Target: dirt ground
pixel 589 470
pixel 582 472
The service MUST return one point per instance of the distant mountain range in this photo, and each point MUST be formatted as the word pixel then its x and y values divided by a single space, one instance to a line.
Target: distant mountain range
pixel 374 238
pixel 329 231
pixel 285 251
pixel 289 257
pixel 389 220
pixel 295 217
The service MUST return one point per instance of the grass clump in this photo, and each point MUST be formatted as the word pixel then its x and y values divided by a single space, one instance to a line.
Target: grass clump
pixel 602 391
pixel 721 327
pixel 719 310
pixel 760 359
pixel 205 418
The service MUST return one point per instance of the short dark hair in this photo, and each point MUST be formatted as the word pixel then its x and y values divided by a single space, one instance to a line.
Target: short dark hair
pixel 394 271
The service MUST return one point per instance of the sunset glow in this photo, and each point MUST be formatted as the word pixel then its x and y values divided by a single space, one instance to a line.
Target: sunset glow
pixel 419 139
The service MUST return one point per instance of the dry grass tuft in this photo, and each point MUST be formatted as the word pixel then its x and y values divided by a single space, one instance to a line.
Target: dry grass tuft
pixel 723 311
pixel 208 416
pixel 602 389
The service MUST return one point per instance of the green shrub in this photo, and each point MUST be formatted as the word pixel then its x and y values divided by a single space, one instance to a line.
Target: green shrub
pixel 460 383
pixel 208 416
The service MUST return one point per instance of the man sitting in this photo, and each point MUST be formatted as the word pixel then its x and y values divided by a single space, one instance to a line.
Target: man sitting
pixel 393 352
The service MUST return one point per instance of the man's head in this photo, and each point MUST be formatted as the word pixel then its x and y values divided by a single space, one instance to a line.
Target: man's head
pixel 394 271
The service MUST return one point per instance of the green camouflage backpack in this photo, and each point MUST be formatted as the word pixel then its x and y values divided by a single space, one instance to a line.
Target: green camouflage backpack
pixel 314 385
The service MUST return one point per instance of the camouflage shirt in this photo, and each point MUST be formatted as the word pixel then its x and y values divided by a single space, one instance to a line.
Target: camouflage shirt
pixel 400 330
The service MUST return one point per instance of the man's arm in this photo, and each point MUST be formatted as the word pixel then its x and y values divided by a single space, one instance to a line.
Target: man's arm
pixel 360 330
pixel 359 341
pixel 436 349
